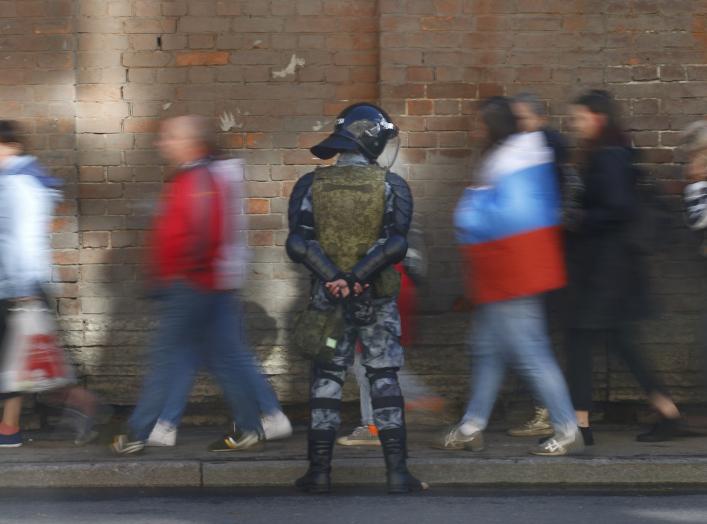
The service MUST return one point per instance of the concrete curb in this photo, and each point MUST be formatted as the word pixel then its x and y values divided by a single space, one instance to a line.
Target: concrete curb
pixel 526 472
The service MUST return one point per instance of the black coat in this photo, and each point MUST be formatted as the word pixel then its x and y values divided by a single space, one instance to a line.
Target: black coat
pixel 607 277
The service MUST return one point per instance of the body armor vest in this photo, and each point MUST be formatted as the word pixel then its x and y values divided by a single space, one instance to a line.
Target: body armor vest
pixel 348 206
pixel 349 203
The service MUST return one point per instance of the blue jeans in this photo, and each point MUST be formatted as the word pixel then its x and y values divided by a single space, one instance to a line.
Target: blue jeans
pixel 196 326
pixel 183 382
pixel 515 332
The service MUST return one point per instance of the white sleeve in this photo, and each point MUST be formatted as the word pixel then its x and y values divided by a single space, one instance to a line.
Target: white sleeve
pixel 29 263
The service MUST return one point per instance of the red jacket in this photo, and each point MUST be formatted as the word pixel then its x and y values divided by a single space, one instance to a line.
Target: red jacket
pixel 196 231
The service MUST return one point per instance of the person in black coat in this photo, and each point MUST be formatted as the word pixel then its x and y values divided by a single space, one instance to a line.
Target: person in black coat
pixel 607 276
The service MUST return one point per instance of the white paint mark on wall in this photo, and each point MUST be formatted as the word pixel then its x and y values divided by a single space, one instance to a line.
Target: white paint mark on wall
pixel 166 106
pixel 291 67
pixel 227 122
pixel 319 125
pixel 257 43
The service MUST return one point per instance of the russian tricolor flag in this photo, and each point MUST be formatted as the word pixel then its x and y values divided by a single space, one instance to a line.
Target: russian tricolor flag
pixel 509 229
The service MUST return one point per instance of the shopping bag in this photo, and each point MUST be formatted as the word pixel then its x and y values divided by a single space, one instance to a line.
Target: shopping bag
pixel 32 359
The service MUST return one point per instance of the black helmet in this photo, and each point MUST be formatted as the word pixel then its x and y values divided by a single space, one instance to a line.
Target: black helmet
pixel 361 127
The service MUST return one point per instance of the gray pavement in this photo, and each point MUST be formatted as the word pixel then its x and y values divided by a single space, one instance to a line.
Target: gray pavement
pixel 348 506
pixel 617 460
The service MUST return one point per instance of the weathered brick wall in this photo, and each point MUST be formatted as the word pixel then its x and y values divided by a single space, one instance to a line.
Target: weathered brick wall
pixel 439 57
pixel 273 74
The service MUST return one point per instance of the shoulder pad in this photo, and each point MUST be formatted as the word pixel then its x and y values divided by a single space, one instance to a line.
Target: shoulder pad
pixel 403 203
pixel 300 190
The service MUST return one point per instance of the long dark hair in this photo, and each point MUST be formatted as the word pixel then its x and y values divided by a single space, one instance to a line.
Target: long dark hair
pixel 601 102
pixel 10 132
pixel 498 117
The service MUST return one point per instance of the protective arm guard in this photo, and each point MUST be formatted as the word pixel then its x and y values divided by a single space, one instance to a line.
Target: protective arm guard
pixel 301 246
pixel 312 256
pixel 396 226
pixel 380 257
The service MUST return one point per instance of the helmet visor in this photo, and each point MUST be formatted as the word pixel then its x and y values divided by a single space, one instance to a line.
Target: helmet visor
pixel 390 152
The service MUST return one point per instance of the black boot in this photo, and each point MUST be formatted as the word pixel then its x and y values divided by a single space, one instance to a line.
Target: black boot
pixel 664 430
pixel 318 476
pixel 395 452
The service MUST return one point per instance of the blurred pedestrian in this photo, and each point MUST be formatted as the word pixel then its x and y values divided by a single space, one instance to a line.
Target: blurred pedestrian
pixel 348 227
pixel 197 263
pixel 608 280
pixel 532 117
pixel 28 195
pixel 509 228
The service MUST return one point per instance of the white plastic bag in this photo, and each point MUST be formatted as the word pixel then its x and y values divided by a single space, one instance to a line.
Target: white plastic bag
pixel 32 360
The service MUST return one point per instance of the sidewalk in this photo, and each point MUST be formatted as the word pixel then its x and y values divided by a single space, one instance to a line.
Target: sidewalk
pixel 616 460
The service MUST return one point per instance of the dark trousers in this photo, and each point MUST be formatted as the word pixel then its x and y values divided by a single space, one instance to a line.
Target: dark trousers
pixel 4 305
pixel 580 344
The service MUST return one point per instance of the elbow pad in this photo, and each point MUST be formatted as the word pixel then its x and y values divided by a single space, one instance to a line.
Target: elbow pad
pixel 380 257
pixel 312 256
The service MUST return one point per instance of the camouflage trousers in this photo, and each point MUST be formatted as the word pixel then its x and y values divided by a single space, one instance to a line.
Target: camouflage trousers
pixel 382 357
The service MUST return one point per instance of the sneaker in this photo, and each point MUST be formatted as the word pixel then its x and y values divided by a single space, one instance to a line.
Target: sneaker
pixel 122 445
pixel 276 426
pixel 239 441
pixel 361 436
pixel 664 430
pixel 163 434
pixel 85 437
pixel 455 439
pixel 538 426
pixel 11 441
pixel 559 446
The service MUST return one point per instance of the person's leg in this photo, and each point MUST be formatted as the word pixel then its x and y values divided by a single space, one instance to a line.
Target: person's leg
pixel 262 389
pixel 12 408
pixel 621 341
pixel 326 385
pixel 579 344
pixel 525 336
pixel 488 366
pixel 364 388
pixel 230 361
pixel 383 357
pixel 172 342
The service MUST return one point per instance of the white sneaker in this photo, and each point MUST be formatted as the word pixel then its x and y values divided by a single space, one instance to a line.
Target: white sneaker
pixel 163 434
pixel 276 426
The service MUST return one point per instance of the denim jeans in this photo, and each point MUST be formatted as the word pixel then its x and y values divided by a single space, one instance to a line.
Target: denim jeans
pixel 364 389
pixel 514 332
pixel 182 384
pixel 196 326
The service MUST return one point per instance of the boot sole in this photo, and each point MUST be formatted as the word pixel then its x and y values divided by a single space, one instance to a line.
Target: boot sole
pixel 424 486
pixel 315 490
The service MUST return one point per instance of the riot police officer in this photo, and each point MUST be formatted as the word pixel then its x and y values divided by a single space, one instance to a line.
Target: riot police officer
pixel 348 225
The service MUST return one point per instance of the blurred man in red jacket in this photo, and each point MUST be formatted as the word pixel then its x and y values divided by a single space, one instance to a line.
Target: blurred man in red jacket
pixel 197 262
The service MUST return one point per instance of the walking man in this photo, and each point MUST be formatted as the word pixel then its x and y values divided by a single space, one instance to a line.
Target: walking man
pixel 196 266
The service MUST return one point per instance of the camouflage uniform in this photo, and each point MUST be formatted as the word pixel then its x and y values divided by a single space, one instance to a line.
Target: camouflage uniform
pixel 380 340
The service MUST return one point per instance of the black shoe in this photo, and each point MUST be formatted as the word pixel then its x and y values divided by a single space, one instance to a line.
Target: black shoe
pixel 662 431
pixel 587 436
pixel 400 480
pixel 320 450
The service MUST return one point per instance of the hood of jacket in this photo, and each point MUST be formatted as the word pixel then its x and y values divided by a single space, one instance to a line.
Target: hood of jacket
pixel 29 165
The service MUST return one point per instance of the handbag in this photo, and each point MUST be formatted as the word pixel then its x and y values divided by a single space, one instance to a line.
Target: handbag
pixel 32 360
pixel 318 333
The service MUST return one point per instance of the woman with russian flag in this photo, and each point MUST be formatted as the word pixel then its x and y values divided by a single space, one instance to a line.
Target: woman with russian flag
pixel 511 243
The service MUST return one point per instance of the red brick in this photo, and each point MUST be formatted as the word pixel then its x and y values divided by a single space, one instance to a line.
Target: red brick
pixel 202 58
pixel 419 107
pixel 440 90
pixel 257 206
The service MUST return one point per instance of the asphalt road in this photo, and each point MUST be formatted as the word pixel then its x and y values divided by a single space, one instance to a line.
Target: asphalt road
pixel 349 506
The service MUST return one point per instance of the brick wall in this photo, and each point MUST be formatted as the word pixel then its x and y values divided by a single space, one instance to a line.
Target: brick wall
pixel 92 78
